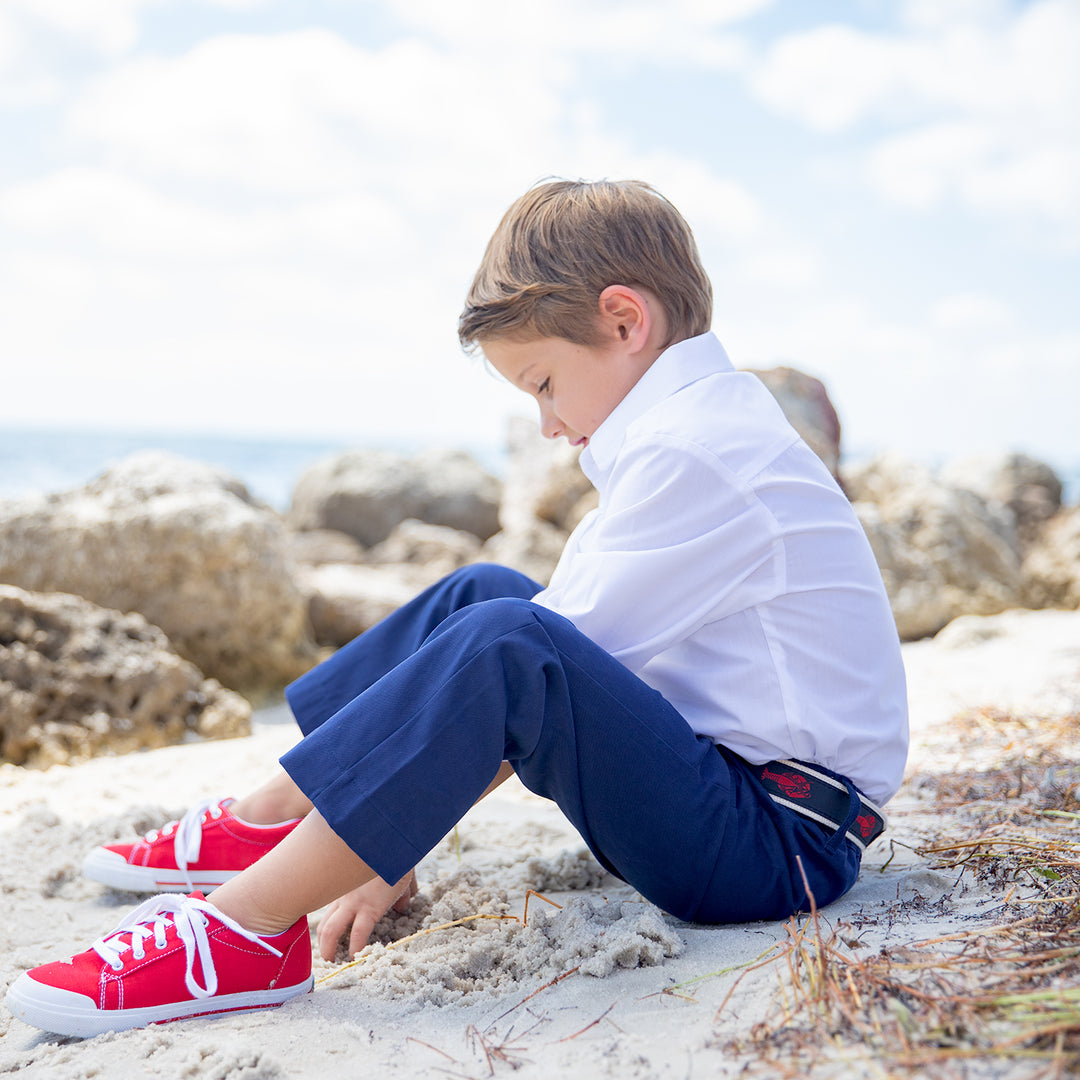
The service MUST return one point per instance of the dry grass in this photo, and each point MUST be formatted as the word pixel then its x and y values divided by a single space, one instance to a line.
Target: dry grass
pixel 1001 998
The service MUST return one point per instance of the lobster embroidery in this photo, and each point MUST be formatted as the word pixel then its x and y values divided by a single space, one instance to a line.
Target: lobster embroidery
pixel 866 824
pixel 793 785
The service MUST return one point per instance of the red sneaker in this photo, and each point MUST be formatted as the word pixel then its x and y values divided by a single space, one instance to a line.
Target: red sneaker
pixel 172 957
pixel 202 850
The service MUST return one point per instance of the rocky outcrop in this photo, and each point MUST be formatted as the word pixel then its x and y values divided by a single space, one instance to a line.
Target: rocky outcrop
pixel 77 680
pixel 545 494
pixel 345 600
pixel 347 597
pixel 1029 489
pixel 1051 568
pixel 806 404
pixel 184 545
pixel 943 551
pixel 367 493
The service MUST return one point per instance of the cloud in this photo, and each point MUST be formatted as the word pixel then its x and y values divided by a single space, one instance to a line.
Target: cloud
pixel 109 27
pixel 632 31
pixel 973 313
pixel 972 102
pixel 109 213
pixel 310 112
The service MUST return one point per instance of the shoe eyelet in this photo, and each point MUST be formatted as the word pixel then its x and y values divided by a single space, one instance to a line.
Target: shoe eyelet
pixel 117 965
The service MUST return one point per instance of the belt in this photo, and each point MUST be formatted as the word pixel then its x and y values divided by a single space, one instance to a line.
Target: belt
pixel 821 798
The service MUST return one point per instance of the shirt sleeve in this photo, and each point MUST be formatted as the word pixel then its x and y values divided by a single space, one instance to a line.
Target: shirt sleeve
pixel 678 541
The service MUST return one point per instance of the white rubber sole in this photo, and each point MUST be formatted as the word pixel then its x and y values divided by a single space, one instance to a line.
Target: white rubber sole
pixel 112 869
pixel 64 1012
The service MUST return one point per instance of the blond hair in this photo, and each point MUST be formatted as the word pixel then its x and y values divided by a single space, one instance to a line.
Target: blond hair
pixel 563 242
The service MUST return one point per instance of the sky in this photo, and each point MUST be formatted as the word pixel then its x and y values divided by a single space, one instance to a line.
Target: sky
pixel 260 217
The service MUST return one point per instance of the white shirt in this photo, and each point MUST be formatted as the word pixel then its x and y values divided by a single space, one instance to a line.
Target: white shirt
pixel 725 567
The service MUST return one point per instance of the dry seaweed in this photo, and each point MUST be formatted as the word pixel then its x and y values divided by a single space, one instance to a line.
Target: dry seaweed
pixel 1001 998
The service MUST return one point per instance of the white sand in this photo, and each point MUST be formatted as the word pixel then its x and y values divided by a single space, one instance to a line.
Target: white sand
pixel 453 1002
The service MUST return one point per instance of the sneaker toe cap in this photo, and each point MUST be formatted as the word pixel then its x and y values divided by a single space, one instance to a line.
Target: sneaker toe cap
pixel 34 1000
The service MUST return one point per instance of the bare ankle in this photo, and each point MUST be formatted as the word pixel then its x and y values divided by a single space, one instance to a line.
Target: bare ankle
pixel 272 804
pixel 236 901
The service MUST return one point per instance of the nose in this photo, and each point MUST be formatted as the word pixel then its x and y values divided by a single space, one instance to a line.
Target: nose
pixel 550 425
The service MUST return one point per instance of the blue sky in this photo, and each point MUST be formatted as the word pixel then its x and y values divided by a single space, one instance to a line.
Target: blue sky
pixel 261 216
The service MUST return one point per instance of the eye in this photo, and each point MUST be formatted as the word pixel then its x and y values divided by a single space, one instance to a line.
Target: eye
pixel 544 387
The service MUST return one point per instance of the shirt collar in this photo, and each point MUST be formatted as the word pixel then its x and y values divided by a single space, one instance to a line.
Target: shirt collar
pixel 677 366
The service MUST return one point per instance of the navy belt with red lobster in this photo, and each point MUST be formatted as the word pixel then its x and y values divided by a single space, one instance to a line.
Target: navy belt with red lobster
pixel 821 798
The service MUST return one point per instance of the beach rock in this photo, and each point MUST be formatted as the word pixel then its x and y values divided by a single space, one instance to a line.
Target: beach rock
pixel 545 495
pixel 184 545
pixel 347 597
pixel 320 546
pixel 346 600
pixel 1029 488
pixel 366 493
pixel 543 481
pixel 1051 567
pixel 943 551
pixel 434 550
pixel 533 551
pixel 806 404
pixel 77 680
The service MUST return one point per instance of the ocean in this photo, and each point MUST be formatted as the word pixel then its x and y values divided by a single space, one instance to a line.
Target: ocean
pixel 34 460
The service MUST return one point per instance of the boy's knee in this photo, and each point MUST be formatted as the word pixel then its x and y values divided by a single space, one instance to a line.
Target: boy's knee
pixel 487 621
pixel 489 581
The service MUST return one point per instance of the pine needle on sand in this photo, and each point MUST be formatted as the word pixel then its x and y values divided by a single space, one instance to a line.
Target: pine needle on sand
pixel 1000 997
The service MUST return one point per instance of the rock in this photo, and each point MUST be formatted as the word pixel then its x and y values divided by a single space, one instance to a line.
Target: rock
pixel 534 550
pixel 184 545
pixel 806 404
pixel 344 600
pixel 943 551
pixel 366 493
pixel 77 680
pixel 320 546
pixel 545 495
pixel 433 549
pixel 1051 567
pixel 543 480
pixel 1029 488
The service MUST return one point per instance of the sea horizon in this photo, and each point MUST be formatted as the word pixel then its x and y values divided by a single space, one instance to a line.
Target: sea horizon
pixel 39 460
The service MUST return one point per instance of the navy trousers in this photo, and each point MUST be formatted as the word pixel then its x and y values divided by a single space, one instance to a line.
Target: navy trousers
pixel 406 726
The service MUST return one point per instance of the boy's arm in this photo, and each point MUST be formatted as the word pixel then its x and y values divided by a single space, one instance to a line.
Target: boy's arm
pixel 680 541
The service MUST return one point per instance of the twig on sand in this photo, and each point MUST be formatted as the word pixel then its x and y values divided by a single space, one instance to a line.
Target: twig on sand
pixel 420 1042
pixel 593 1024
pixel 495 1051
pixel 539 896
pixel 546 986
pixel 1006 995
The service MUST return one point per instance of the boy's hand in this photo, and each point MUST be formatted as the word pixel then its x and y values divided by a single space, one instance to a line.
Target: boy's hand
pixel 363 908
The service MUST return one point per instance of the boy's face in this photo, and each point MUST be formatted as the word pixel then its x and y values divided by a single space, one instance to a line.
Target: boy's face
pixel 576 386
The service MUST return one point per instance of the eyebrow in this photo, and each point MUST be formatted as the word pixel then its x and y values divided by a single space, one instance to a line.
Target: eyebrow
pixel 520 381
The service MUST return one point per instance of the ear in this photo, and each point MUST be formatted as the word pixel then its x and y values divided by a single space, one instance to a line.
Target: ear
pixel 625 317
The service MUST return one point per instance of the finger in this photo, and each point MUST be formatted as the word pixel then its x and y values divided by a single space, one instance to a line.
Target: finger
pixel 362 926
pixel 333 925
pixel 404 900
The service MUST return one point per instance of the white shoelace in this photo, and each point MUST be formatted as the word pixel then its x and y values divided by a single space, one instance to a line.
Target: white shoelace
pixel 187 841
pixel 152 918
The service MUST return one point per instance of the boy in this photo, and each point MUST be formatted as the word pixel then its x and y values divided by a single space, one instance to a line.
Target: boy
pixel 710 687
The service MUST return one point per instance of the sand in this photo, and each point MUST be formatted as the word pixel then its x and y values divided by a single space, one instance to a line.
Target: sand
pixel 584 990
